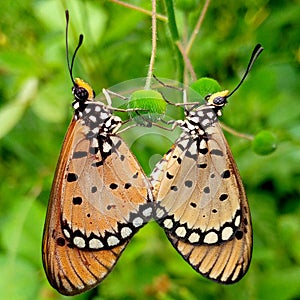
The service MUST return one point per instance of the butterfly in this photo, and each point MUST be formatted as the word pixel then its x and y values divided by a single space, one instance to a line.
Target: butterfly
pixel 100 196
pixel 199 196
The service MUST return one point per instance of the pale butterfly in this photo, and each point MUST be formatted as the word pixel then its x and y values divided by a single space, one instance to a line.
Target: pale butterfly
pixel 199 197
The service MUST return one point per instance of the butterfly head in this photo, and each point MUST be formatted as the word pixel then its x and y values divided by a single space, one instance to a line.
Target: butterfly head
pixel 218 99
pixel 82 91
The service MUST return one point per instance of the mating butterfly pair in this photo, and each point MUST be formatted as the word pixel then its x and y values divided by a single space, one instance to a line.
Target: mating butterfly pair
pixel 101 197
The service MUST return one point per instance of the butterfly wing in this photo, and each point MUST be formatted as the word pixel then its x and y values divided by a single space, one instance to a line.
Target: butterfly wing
pixel 90 220
pixel 201 204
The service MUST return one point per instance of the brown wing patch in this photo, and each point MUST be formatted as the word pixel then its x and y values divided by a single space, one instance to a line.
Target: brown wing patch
pixel 71 270
pixel 107 199
pixel 227 262
pixel 197 194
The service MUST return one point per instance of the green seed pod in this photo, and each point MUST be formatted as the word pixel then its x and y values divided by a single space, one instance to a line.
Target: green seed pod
pixel 264 143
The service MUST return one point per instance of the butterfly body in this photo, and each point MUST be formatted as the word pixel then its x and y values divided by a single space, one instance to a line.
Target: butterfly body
pixel 100 198
pixel 200 199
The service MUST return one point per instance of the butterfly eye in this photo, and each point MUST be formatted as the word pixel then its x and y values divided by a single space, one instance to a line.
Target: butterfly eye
pixel 80 93
pixel 82 90
pixel 220 101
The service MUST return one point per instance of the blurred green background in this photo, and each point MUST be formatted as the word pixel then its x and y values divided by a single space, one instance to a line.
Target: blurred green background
pixel 35 98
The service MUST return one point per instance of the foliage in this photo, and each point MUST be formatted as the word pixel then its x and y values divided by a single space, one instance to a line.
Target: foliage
pixel 35 110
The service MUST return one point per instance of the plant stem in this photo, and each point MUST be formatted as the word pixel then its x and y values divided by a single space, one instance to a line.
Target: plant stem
pixel 197 27
pixel 175 36
pixel 187 61
pixel 144 11
pixel 153 51
pixel 236 133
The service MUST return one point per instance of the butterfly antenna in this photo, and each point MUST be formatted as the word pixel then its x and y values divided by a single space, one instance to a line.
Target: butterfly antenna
pixel 256 52
pixel 80 40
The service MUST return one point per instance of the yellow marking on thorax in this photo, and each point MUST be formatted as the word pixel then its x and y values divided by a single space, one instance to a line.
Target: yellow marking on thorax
pixel 217 94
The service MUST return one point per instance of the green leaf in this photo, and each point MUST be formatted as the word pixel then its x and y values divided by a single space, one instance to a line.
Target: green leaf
pixel 205 86
pixel 12 112
pixel 85 17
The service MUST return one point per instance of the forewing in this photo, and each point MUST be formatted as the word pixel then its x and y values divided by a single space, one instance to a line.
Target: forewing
pixel 110 200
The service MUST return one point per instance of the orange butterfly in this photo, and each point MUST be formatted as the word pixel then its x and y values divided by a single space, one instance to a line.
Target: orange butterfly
pixel 199 195
pixel 100 196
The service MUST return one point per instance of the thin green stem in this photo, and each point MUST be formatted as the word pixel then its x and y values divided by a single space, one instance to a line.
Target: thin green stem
pixel 175 36
pixel 172 20
pixel 236 133
pixel 197 27
pixel 153 51
pixel 187 61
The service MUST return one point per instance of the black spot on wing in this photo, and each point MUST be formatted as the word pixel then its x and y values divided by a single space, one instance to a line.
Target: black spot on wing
pixel 206 190
pixel 223 197
pixel 201 166
pixel 203 151
pixel 79 154
pixel 61 241
pixel 113 186
pixel 239 234
pixel 169 176
pixel 127 185
pixel 97 164
pixel 188 183
pixel 77 200
pixel 109 207
pixel 225 174
pixel 216 152
pixel 71 177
